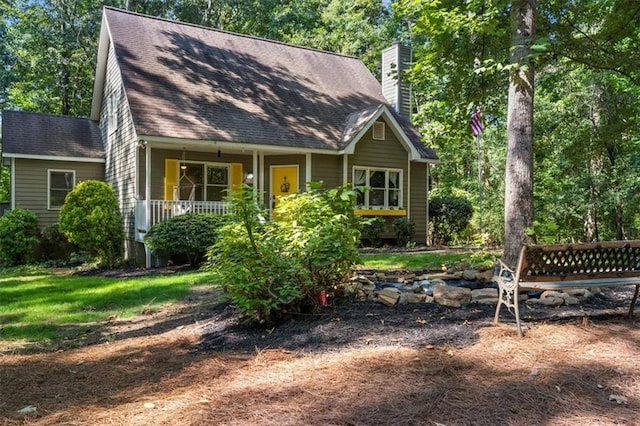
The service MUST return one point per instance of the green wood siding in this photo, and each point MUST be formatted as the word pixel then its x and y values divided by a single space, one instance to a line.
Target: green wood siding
pixel 120 147
pixel 31 180
pixel 328 169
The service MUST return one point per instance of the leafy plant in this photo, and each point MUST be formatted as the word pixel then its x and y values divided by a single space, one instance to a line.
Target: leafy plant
pixel 449 216
pixel 372 229
pixel 90 218
pixel 18 237
pixel 188 234
pixel 268 268
pixel 405 229
pixel 54 245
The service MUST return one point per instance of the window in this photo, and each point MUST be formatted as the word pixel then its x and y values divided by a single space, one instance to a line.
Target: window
pixel 60 183
pixel 378 130
pixel 217 182
pixel 379 188
pixel 112 113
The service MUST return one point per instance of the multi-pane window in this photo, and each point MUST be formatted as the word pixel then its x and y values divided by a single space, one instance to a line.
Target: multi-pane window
pixel 60 183
pixel 378 188
pixel 217 182
pixel 203 182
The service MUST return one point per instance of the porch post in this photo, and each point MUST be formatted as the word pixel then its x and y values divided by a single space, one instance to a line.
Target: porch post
pixel 255 173
pixel 307 170
pixel 345 168
pixel 261 168
pixel 147 201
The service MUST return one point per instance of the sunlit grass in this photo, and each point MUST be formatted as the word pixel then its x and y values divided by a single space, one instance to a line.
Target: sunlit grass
pixel 426 260
pixel 41 305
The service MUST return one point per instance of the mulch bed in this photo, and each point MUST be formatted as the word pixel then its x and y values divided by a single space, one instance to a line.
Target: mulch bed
pixel 353 363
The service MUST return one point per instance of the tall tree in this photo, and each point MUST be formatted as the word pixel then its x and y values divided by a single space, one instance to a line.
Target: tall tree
pixel 518 201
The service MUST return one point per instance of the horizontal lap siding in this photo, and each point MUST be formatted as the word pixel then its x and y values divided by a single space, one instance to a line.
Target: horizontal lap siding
pixel 327 169
pixel 120 149
pixel 391 154
pixel 31 184
pixel 418 207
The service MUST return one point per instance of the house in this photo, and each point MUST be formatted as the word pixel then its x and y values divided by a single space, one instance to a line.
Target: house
pixel 183 113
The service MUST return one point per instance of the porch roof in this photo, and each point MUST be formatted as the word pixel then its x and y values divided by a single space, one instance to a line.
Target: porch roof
pixel 185 81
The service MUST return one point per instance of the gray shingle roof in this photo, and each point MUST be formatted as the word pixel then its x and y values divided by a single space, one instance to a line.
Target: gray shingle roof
pixel 191 82
pixel 31 134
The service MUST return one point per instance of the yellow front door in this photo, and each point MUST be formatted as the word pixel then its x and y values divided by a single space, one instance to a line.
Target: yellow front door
pixel 284 181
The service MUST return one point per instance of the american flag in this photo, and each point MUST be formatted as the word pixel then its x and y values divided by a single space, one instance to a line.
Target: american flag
pixel 476 122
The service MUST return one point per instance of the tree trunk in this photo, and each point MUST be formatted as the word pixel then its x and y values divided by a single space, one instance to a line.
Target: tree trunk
pixel 518 203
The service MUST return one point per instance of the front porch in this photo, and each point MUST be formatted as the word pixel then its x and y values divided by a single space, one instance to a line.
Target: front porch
pixel 150 212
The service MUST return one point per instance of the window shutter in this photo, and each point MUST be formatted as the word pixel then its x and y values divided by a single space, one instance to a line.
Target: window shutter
pixel 170 177
pixel 236 176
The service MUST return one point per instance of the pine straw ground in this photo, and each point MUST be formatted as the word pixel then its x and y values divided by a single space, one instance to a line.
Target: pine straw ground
pixel 356 364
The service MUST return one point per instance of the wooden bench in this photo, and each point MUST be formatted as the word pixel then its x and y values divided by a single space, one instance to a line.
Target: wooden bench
pixel 565 266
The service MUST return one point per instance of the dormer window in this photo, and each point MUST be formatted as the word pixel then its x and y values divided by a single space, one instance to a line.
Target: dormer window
pixel 378 131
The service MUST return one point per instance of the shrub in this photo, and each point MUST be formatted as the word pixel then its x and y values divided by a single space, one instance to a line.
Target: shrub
pixel 404 229
pixel 449 215
pixel 18 237
pixel 186 235
pixel 54 245
pixel 372 229
pixel 269 268
pixel 90 218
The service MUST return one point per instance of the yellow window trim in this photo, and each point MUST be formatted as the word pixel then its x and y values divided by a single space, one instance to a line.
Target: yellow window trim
pixel 372 212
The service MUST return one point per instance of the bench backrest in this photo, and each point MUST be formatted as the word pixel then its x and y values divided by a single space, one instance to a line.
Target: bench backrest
pixel 557 262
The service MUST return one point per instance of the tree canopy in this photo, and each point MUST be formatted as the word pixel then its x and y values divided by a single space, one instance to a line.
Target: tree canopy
pixel 586 110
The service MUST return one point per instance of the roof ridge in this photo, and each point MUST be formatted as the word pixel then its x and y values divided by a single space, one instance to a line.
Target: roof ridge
pixel 249 36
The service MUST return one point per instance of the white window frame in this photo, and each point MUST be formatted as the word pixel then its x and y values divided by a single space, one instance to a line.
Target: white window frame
pixel 112 113
pixel 73 185
pixel 379 131
pixel 367 187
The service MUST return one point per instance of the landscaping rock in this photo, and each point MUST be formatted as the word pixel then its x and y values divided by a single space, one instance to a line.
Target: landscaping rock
pixel 551 298
pixel 485 277
pixel 469 274
pixel 570 300
pixel 485 295
pixel 389 296
pixel 580 293
pixel 452 296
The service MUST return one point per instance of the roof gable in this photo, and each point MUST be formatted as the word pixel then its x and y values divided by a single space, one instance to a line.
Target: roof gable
pixel 31 135
pixel 184 81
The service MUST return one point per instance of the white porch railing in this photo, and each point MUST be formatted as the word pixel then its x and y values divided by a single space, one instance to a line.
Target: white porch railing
pixel 161 210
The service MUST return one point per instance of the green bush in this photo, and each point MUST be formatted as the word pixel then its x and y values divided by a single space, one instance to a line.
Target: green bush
pixel 404 229
pixel 18 237
pixel 186 235
pixel 91 218
pixel 54 245
pixel 269 268
pixel 372 229
pixel 449 216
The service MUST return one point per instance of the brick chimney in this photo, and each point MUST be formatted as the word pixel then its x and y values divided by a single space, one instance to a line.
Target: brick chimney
pixel 395 60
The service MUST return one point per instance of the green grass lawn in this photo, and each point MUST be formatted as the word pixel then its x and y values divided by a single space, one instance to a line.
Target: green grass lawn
pixel 44 305
pixel 426 260
pixel 39 304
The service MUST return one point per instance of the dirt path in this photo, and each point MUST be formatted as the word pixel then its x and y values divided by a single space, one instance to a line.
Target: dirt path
pixel 354 364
